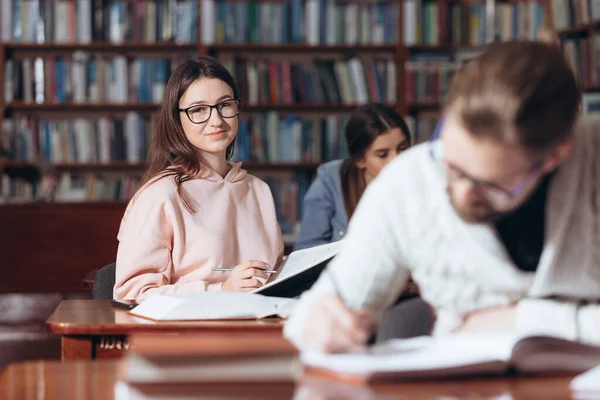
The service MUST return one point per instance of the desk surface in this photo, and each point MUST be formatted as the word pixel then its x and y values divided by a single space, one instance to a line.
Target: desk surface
pixel 100 317
pixel 50 380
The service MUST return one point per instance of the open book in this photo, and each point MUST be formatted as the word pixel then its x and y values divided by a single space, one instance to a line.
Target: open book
pixel 212 306
pixel 300 271
pixel 457 355
pixel 587 385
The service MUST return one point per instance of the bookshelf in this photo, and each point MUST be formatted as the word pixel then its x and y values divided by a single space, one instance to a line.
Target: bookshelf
pixel 401 52
pixel 578 28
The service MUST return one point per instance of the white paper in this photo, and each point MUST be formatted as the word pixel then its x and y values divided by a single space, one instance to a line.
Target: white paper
pixel 588 382
pixel 418 354
pixel 209 306
pixel 302 260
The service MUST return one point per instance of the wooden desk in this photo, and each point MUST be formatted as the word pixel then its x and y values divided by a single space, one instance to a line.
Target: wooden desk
pixel 49 380
pixel 95 329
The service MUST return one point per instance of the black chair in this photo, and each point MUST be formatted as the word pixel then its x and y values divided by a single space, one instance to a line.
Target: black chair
pixel 104 282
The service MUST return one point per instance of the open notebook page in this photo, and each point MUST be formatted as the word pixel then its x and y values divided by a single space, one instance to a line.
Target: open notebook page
pixel 423 353
pixel 210 306
pixel 587 385
pixel 301 260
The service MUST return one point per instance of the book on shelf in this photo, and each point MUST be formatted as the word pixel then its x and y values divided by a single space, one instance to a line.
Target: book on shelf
pixel 350 81
pixel 270 137
pixel 458 355
pixel 275 137
pixel 422 127
pixel 577 53
pixel 114 21
pixel 520 20
pixel 467 24
pixel 428 77
pixel 314 22
pixel 567 14
pixel 86 78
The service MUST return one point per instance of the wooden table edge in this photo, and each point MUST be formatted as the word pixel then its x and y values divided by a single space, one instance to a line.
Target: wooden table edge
pixel 64 329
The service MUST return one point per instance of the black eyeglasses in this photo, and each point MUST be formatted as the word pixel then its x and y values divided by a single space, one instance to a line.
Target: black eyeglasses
pixel 198 114
pixel 496 195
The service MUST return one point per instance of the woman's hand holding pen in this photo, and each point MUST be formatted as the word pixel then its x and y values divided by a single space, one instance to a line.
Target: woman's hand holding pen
pixel 333 327
pixel 244 277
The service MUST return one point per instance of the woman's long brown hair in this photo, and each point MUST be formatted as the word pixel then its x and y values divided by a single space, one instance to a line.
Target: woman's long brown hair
pixel 171 153
pixel 364 125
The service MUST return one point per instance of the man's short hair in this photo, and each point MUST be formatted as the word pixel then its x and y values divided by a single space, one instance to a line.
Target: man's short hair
pixel 522 93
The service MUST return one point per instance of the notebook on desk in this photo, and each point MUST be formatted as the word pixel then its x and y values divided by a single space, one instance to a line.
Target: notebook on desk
pixel 208 306
pixel 461 354
pixel 300 271
pixel 587 385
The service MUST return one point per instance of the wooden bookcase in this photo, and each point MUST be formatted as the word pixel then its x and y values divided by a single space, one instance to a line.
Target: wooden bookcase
pixel 398 51
pixel 106 215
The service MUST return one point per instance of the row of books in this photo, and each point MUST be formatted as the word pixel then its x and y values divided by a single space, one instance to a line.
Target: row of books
pixel 577 52
pixel 275 137
pixel 79 140
pixel 467 23
pixel 71 188
pixel 573 13
pixel 268 138
pixel 288 191
pixel 85 79
pixel 422 128
pixel 300 21
pixel 428 77
pixel 83 21
pixel 352 81
pixel 294 21
pixel 519 20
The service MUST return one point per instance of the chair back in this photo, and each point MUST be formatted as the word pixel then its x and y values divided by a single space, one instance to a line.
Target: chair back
pixel 104 282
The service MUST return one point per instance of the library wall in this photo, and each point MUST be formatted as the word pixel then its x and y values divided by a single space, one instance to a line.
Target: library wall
pixel 81 82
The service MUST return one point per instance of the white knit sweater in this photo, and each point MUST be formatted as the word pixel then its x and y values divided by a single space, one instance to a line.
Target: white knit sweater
pixel 405 224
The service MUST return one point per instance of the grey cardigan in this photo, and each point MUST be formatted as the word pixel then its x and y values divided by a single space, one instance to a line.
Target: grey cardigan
pixel 325 219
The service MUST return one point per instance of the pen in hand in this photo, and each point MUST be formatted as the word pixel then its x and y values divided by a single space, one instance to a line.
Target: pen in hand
pixel 363 321
pixel 336 287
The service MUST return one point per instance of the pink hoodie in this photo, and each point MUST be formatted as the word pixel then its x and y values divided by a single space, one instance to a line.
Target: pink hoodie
pixel 163 248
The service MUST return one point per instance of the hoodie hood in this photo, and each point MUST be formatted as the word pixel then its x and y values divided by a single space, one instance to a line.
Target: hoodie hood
pixel 235 174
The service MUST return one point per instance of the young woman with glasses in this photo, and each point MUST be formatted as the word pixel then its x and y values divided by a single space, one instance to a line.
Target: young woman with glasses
pixel 198 222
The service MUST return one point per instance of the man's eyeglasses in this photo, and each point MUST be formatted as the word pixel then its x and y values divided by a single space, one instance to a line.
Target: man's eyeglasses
pixel 198 114
pixel 496 195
